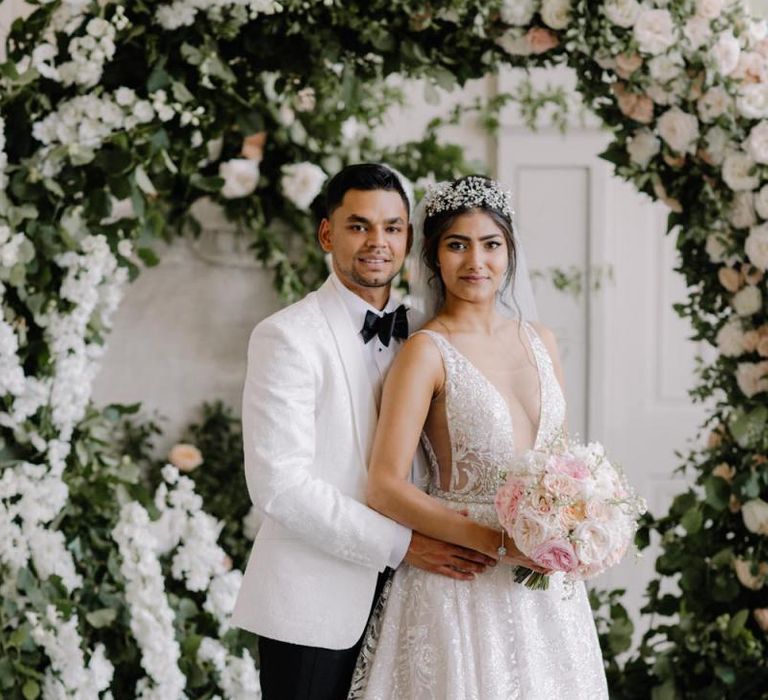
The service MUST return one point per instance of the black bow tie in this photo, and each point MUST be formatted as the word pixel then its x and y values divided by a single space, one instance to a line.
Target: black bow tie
pixel 391 325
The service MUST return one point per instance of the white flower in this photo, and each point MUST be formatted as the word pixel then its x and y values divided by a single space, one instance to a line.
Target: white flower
pixel 752 377
pixel 738 172
pixel 623 13
pixel 730 339
pixel 741 213
pixel 757 143
pixel 713 103
pixel 143 111
pixel 593 542
pixel 725 53
pixel 301 183
pixel 747 301
pixel 679 129
pixel 755 514
pixel 752 101
pixel 697 31
pixel 42 60
pixel 716 145
pixel 666 67
pixel 757 30
pixel 241 175
pixel 530 530
pixel 222 594
pixel 518 12
pixel 125 97
pixel 756 246
pixel 710 9
pixel 654 31
pixel 556 13
pixel 761 202
pixel 642 147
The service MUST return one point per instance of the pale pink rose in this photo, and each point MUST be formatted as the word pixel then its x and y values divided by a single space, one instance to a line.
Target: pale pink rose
pixel 730 279
pixel 530 529
pixel 561 485
pixel 226 562
pixel 573 515
pixel 507 501
pixel 542 501
pixel 751 68
pixel 556 555
pixel 185 457
pixel 598 510
pixel 628 63
pixel 761 617
pixel 724 471
pixel 632 105
pixel 570 466
pixel 594 543
pixel 541 40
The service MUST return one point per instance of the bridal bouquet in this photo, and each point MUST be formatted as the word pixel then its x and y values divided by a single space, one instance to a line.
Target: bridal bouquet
pixel 568 509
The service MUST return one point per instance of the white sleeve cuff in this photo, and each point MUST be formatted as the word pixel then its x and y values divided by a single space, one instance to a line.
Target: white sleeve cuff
pixel 400 547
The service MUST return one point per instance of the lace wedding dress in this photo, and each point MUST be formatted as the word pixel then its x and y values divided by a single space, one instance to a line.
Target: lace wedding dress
pixel 436 638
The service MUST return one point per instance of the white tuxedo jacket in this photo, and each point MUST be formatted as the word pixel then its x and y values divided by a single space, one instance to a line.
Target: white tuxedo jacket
pixel 309 417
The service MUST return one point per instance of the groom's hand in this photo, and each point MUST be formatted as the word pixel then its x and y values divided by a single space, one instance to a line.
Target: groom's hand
pixel 447 559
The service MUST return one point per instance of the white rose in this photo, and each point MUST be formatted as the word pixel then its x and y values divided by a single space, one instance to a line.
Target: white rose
pixel 715 248
pixel 747 301
pixel 642 147
pixel 761 202
pixel 741 213
pixel 518 12
pixel 556 13
pixel 593 543
pixel 214 148
pixel 738 172
pixel 679 129
pixel 713 103
pixel 752 101
pixel 655 31
pixel 622 13
pixel 755 514
pixel 666 67
pixel 710 9
pixel 725 53
pixel 756 246
pixel 757 143
pixel 301 183
pixel 757 30
pixel 241 175
pixel 730 339
pixel 717 145
pixel 751 376
pixel 743 569
pixel 697 30
pixel 663 95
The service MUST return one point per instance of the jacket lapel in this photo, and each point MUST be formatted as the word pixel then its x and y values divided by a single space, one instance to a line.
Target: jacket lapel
pixel 350 349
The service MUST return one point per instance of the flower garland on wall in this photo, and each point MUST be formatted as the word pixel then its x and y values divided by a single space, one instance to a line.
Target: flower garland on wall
pixel 117 116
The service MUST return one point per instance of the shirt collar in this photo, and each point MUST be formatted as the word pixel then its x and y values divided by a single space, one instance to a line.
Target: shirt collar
pixel 357 306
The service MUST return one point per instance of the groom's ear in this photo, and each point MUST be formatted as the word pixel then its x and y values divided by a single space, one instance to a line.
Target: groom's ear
pixel 410 239
pixel 324 235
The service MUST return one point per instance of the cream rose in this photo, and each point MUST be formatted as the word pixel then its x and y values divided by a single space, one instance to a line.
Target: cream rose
pixel 756 246
pixel 654 31
pixel 697 30
pixel 185 457
pixel 748 301
pixel 755 513
pixel 593 542
pixel 742 210
pixel 679 129
pixel 730 339
pixel 529 531
pixel 709 9
pixel 713 103
pixel 715 248
pixel 752 101
pixel 518 12
pixel 301 183
pixel 623 13
pixel 748 579
pixel 751 68
pixel 756 144
pixel 725 53
pixel 752 377
pixel 556 13
pixel 716 145
pixel 642 147
pixel 761 202
pixel 666 67
pixel 739 172
pixel 241 175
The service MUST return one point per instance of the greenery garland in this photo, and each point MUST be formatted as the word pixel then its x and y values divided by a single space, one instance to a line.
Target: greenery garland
pixel 117 116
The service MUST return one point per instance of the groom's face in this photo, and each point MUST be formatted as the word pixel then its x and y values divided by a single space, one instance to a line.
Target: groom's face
pixel 368 237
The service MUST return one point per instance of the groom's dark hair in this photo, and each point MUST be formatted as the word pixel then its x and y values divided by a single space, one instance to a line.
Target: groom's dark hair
pixel 362 176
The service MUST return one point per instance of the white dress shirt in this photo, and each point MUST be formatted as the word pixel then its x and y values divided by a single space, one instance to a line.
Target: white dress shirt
pixel 378 357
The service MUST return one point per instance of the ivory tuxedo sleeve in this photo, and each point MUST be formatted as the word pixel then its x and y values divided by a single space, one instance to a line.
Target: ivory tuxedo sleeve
pixel 279 422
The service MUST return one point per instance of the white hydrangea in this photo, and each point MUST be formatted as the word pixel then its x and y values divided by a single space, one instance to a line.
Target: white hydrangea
pixel 221 597
pixel 182 13
pixel 237 677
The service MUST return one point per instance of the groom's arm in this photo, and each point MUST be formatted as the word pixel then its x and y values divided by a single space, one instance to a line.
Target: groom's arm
pixel 279 441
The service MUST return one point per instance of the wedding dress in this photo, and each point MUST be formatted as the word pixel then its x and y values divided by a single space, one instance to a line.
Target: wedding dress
pixel 435 638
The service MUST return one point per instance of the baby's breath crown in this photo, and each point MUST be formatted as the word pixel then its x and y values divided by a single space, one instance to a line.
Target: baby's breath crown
pixel 468 193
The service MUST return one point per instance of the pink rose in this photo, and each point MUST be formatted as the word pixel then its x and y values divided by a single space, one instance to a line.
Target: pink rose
pixel 556 555
pixel 561 485
pixel 541 40
pixel 507 500
pixel 570 466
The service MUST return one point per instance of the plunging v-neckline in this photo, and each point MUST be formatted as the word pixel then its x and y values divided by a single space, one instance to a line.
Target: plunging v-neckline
pixel 497 391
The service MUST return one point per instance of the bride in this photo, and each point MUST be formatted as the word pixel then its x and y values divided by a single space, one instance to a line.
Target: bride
pixel 477 389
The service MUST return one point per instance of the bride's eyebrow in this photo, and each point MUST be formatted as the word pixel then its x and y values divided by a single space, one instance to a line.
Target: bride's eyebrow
pixel 461 237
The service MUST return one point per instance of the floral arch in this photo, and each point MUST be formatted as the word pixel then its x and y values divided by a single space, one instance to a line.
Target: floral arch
pixel 116 116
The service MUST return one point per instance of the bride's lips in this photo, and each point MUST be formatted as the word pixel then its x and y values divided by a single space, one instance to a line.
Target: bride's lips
pixel 474 279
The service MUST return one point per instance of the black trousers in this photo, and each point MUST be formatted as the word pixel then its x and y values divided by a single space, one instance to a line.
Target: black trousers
pixel 296 672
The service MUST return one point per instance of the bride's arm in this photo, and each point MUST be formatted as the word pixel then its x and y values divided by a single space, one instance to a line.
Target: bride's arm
pixel 416 375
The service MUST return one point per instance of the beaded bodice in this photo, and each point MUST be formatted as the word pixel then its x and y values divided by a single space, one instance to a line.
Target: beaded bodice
pixel 479 424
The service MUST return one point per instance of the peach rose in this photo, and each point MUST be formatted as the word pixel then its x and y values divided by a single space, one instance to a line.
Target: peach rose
pixel 724 471
pixel 754 580
pixel 185 457
pixel 716 437
pixel 628 63
pixel 734 504
pixel 762 347
pixel 572 515
pixel 730 279
pixel 632 105
pixel 253 146
pixel 761 617
pixel 752 275
pixel 661 193
pixel 751 340
pixel 674 161
pixel 541 40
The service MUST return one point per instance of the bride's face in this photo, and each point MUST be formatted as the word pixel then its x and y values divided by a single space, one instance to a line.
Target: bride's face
pixel 473 257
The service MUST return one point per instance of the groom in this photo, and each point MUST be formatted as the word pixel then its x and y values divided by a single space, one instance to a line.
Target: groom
pixel 315 371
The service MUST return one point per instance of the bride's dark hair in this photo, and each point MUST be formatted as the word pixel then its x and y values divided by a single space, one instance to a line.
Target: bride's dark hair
pixel 439 222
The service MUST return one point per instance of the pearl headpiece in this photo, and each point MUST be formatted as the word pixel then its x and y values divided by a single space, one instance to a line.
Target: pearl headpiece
pixel 469 193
